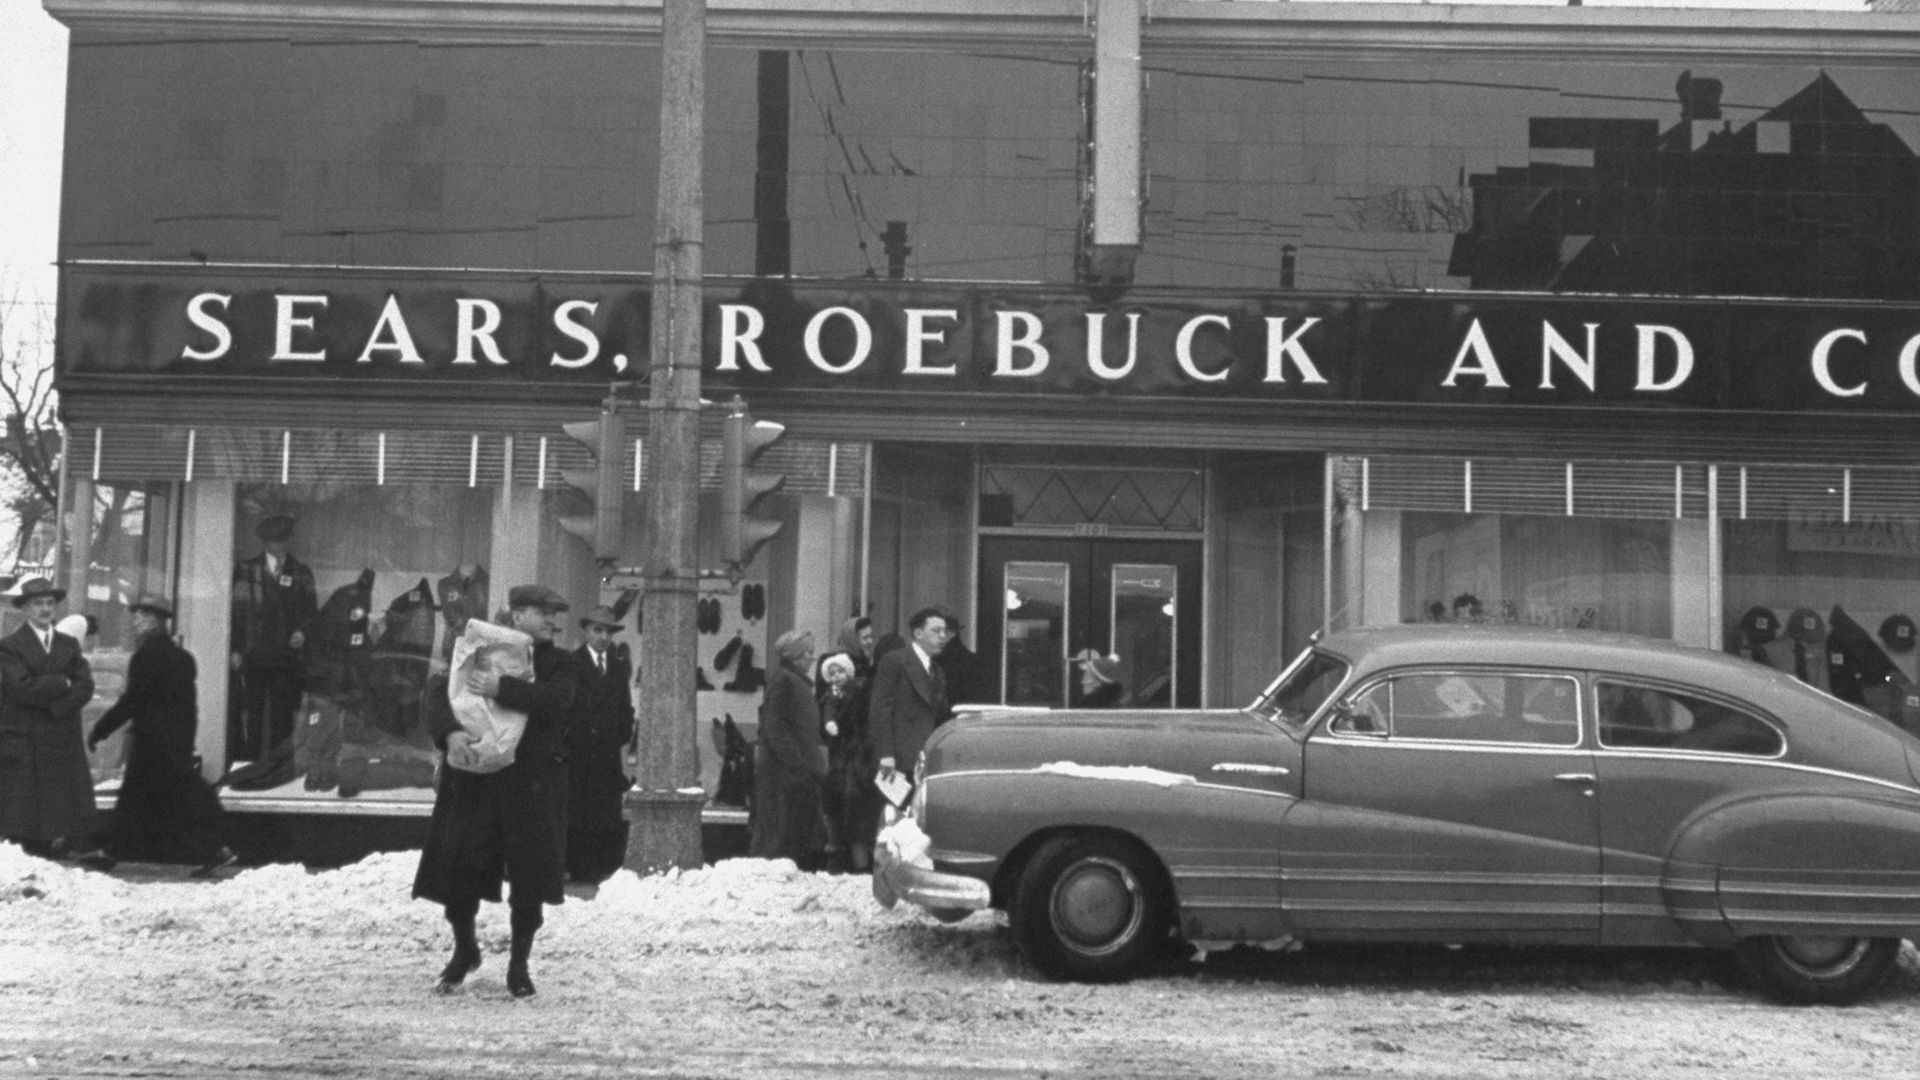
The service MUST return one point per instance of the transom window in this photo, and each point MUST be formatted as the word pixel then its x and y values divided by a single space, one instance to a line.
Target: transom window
pixel 1469 707
pixel 1656 718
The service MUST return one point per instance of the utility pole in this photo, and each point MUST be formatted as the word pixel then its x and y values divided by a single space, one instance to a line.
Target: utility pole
pixel 664 806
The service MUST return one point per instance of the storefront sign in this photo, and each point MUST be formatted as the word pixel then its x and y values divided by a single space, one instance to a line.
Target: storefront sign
pixel 1457 348
pixel 1868 536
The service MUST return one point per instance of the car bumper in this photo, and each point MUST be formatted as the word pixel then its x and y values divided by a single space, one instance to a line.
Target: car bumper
pixel 902 871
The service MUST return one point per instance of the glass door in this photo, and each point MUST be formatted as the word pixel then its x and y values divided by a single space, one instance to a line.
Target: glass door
pixel 1044 600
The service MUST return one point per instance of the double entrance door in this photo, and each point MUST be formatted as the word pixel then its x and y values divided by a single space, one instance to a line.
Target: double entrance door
pixel 1044 600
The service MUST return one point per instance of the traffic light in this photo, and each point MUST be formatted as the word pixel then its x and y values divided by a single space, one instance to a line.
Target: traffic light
pixel 606 439
pixel 743 438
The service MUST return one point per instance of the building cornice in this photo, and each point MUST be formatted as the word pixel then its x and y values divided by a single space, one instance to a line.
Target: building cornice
pixel 1273 29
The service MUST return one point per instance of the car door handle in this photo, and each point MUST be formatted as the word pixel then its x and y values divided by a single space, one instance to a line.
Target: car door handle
pixel 1586 778
pixel 1250 768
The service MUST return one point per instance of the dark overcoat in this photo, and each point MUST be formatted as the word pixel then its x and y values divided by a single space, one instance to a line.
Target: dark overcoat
pixel 163 801
pixel 46 790
pixel 509 825
pixel 597 741
pixel 903 707
pixel 790 770
pixel 268 608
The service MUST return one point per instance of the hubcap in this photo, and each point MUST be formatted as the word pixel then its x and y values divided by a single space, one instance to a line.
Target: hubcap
pixel 1821 957
pixel 1097 906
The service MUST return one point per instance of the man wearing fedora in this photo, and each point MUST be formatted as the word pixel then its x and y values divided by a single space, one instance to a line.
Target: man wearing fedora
pixel 509 825
pixel 597 743
pixel 46 791
pixel 274 604
pixel 166 811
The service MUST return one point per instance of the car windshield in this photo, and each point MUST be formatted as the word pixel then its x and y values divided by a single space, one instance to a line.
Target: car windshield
pixel 1302 688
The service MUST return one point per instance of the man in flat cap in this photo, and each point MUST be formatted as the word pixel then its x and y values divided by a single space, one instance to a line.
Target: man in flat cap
pixel 509 825
pixel 166 811
pixel 274 604
pixel 602 728
pixel 46 792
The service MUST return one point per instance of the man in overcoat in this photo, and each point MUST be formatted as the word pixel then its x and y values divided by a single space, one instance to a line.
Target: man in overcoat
pixel 510 825
pixel 167 811
pixel 274 604
pixel 909 697
pixel 597 747
pixel 46 791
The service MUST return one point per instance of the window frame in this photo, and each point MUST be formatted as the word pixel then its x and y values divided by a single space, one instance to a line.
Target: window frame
pixel 1686 690
pixel 1345 703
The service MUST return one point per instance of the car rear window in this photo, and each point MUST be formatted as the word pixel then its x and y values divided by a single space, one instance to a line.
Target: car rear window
pixel 1658 718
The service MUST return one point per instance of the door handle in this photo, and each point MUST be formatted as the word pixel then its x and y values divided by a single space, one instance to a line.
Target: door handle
pixel 1250 768
pixel 1584 779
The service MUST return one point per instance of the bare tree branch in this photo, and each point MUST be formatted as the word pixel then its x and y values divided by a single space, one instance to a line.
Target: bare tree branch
pixel 30 443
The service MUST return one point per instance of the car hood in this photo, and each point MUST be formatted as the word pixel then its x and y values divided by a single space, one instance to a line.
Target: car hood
pixel 1184 741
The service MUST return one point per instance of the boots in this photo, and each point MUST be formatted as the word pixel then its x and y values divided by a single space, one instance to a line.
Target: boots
pixel 519 983
pixel 466 953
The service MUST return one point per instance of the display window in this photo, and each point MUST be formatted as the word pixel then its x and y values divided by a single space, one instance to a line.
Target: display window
pixel 345 602
pixel 1831 602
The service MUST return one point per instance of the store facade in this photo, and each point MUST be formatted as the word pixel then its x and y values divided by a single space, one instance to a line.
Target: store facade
pixel 1426 321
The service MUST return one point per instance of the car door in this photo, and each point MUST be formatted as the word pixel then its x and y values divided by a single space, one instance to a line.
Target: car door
pixel 1456 804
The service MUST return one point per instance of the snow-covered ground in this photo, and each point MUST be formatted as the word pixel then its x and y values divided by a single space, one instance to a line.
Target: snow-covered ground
pixel 749 968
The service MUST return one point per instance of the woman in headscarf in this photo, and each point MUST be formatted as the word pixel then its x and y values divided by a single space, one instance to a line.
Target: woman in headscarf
pixel 790 765
pixel 856 640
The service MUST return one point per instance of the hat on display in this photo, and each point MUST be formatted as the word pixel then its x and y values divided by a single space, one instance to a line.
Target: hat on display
pixel 277 527
pixel 153 604
pixel 1897 633
pixel 36 587
pixel 602 615
pixel 1104 668
pixel 1805 625
pixel 526 596
pixel 1759 625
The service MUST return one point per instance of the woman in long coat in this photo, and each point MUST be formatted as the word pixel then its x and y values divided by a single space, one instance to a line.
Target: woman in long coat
pixel 166 811
pixel 791 765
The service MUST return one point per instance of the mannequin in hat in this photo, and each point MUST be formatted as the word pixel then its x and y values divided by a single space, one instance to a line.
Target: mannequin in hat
pixel 597 747
pixel 511 825
pixel 46 790
pixel 274 604
pixel 166 812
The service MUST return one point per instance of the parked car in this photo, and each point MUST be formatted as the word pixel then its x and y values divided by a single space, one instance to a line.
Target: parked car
pixel 1441 784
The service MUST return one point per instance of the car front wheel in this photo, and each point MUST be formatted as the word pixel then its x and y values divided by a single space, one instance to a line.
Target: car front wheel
pixel 1814 970
pixel 1090 909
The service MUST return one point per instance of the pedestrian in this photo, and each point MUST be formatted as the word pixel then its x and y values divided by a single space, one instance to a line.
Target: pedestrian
pixel 853 804
pixel 909 698
pixel 1100 685
pixel 597 750
pixel 46 789
pixel 509 825
pixel 958 664
pixel 790 764
pixel 274 604
pixel 856 640
pixel 166 811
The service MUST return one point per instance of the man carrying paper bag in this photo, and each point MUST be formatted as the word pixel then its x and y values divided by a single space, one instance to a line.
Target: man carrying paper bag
pixel 508 824
pixel 489 730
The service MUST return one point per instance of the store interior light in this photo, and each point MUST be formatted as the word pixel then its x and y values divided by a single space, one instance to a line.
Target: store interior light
pixel 1015 600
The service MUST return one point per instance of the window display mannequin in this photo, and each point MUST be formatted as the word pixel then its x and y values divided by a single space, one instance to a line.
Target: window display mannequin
pixel 274 604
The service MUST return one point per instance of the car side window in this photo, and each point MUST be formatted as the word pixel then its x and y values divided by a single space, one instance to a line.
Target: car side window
pixel 1651 717
pixel 1470 707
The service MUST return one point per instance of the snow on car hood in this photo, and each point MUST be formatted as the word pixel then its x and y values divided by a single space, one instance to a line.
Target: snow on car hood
pixel 1137 774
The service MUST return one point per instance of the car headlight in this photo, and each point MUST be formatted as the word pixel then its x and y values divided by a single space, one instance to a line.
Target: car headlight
pixel 917 802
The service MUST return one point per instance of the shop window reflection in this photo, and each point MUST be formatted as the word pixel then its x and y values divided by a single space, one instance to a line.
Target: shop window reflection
pixel 1538 570
pixel 1034 646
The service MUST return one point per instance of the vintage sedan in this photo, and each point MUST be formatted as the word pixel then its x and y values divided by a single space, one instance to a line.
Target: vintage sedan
pixel 1441 784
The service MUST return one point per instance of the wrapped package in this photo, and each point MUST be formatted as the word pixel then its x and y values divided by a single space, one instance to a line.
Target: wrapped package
pixel 495 730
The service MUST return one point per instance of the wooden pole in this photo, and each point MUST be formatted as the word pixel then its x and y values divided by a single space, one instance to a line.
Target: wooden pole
pixel 664 806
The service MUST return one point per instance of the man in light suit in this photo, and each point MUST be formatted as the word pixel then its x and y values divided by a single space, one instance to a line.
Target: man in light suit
pixel 909 696
pixel 46 790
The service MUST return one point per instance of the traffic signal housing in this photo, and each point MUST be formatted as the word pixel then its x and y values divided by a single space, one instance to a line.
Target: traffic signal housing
pixel 606 440
pixel 743 487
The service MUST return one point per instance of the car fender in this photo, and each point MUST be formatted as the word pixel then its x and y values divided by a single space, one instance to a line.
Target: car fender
pixel 1215 842
pixel 1798 864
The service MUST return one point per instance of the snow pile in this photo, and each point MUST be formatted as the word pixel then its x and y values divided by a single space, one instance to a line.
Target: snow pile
pixel 24 878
